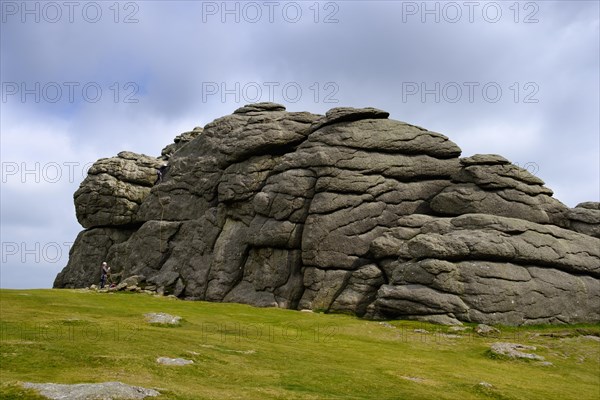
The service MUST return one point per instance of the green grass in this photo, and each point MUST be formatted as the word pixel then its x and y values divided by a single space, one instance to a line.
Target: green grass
pixel 241 352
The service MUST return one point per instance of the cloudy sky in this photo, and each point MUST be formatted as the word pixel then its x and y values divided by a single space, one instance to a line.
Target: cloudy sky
pixel 85 80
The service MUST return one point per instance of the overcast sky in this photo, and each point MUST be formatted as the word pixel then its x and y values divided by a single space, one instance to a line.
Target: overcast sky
pixel 85 80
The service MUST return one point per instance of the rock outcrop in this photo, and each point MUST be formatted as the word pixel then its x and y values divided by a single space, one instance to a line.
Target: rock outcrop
pixel 347 212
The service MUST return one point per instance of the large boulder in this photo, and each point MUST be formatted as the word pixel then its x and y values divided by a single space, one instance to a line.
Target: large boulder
pixel 487 269
pixel 490 184
pixel 348 212
pixel 114 189
pixel 585 218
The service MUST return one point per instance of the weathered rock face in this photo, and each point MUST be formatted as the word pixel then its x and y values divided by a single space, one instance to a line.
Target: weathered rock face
pixel 348 212
pixel 114 189
pixel 585 218
pixel 487 269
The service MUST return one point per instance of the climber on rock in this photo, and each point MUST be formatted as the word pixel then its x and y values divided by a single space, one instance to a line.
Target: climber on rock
pixel 159 173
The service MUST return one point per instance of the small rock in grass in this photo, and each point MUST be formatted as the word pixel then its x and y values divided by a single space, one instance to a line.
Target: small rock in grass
pixel 486 330
pixel 451 336
pixel 162 318
pixel 173 361
pixel 515 350
pixel 84 391
pixel 133 280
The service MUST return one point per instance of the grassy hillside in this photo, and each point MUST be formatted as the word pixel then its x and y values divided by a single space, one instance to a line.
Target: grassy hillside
pixel 241 352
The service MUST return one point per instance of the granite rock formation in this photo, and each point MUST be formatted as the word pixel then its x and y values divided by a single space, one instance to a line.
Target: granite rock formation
pixel 346 212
